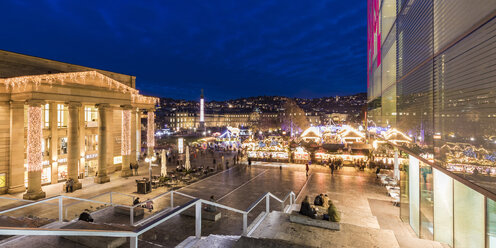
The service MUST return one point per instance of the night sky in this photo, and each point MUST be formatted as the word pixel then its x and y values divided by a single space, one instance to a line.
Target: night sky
pixel 231 48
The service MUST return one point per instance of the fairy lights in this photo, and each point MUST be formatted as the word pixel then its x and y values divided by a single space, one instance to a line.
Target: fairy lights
pixel 84 77
pixel 150 135
pixel 126 132
pixel 34 139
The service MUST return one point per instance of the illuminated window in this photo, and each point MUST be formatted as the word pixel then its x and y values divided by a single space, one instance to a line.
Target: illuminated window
pixel 2 180
pixel 46 115
pixel 90 116
pixel 61 115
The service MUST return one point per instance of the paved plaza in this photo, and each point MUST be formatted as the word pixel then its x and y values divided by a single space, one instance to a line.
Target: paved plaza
pixel 368 217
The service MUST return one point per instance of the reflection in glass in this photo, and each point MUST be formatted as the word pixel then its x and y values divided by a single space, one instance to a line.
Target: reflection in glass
pixel 443 208
pixel 414 194
pixel 491 223
pixel 426 202
pixel 404 192
pixel 469 216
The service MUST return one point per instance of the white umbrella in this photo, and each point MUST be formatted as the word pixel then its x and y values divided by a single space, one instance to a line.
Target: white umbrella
pixel 163 169
pixel 187 164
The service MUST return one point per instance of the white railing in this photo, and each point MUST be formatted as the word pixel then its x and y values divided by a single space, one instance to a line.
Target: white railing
pixel 145 224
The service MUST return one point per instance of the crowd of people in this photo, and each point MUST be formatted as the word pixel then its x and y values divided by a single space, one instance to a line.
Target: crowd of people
pixel 323 201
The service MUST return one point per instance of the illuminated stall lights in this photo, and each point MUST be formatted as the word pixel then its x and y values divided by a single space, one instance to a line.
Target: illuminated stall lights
pixel 34 137
pixel 397 137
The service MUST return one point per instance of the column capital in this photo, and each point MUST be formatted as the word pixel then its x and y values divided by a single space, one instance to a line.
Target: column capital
pixel 74 104
pixel 103 105
pixel 127 107
pixel 35 103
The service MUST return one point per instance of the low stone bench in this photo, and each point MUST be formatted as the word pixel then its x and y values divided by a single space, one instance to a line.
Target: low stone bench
pixel 138 211
pixel 296 217
pixel 213 216
pixel 97 242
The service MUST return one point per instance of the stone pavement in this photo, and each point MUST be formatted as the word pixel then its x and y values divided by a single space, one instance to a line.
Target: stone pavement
pixel 368 217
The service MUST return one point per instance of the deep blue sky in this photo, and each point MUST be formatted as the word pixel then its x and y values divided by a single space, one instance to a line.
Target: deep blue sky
pixel 232 48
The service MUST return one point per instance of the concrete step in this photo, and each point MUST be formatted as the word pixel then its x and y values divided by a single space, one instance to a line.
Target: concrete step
pixel 212 240
pixel 249 242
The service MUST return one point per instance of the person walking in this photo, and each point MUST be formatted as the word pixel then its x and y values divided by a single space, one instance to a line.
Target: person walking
pixel 307 168
pixel 136 165
pixel 332 169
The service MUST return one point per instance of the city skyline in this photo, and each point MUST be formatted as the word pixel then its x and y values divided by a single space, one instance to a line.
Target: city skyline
pixel 229 49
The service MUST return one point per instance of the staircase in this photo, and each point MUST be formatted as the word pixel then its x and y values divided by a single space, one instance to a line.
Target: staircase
pixel 212 240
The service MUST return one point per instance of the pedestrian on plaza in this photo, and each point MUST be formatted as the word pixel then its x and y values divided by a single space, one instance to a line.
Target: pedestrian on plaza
pixel 149 205
pixel 249 161
pixel 211 208
pixel 332 169
pixel 136 165
pixel 69 185
pixel 227 164
pixel 85 216
pixel 307 168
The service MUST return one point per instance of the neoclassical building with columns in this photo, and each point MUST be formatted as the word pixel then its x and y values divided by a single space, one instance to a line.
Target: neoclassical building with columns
pixel 60 121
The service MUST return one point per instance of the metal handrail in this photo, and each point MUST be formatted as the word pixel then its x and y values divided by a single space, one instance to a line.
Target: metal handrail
pixel 145 227
pixel 253 205
pixel 29 204
pixel 167 216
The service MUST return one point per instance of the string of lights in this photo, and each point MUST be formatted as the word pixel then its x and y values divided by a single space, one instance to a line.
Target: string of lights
pixel 34 155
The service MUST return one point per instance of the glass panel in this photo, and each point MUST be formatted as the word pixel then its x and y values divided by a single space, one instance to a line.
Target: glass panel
pixel 404 188
pixel 469 217
pixel 443 208
pixel 414 194
pixel 426 202
pixel 491 223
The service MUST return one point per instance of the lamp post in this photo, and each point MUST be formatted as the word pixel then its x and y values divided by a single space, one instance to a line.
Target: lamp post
pixel 149 161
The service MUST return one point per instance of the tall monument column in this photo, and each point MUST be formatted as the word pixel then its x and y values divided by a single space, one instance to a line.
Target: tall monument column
pixel 73 144
pixel 34 155
pixel 104 111
pixel 16 165
pixel 202 112
pixel 126 141
pixel 150 132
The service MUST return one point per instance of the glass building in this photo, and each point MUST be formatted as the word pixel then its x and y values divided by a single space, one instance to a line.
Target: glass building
pixel 431 74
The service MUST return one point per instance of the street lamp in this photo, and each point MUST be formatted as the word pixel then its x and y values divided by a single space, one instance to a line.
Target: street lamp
pixel 150 160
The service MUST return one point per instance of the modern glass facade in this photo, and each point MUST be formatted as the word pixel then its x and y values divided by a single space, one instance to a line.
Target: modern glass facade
pixel 431 74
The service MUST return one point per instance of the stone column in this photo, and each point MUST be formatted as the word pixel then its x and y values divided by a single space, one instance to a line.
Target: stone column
pixel 126 141
pixel 34 155
pixel 134 137
pixel 150 132
pixel 104 112
pixel 54 141
pixel 16 165
pixel 73 144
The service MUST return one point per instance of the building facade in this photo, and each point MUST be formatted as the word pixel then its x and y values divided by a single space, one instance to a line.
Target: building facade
pixel 432 75
pixel 61 121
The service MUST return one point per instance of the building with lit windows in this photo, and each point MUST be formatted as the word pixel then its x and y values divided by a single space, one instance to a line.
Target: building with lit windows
pixel 61 121
pixel 432 76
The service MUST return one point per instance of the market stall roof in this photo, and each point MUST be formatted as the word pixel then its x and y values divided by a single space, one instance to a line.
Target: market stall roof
pixel 395 136
pixel 311 132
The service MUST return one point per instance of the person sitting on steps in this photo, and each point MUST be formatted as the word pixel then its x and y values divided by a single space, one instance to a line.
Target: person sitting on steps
pixel 306 209
pixel 319 201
